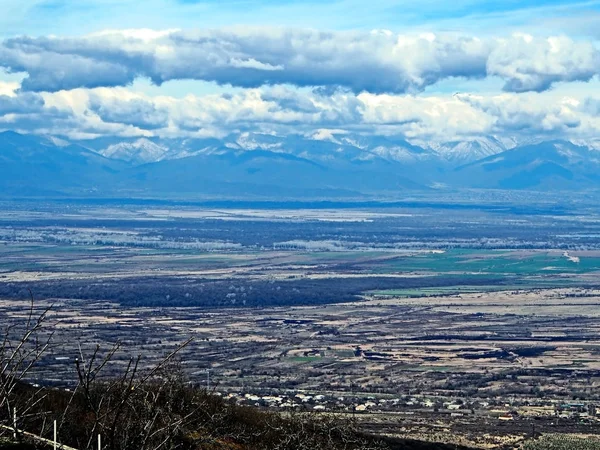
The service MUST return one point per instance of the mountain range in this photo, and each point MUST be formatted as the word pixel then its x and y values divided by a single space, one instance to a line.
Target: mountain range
pixel 261 165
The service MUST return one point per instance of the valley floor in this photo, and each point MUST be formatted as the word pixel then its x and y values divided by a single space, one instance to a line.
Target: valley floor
pixel 477 369
pixel 475 326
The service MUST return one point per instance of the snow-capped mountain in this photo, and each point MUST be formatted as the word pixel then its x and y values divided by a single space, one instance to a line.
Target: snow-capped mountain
pixel 358 147
pixel 469 150
pixel 390 149
pixel 334 164
pixel 141 151
pixel 144 151
pixel 255 141
pixel 319 147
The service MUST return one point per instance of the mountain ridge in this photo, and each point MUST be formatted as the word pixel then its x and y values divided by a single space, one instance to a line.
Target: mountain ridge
pixel 255 164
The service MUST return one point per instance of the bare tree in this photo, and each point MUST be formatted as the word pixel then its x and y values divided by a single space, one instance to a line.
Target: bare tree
pixel 22 347
pixel 134 410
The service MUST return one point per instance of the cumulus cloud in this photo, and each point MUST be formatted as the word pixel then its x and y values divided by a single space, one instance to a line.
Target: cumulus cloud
pixel 533 64
pixel 376 62
pixel 53 64
pixel 528 113
pixel 247 59
pixel 26 103
pixel 558 113
pixel 25 111
pixel 9 89
pixel 138 112
pixel 68 113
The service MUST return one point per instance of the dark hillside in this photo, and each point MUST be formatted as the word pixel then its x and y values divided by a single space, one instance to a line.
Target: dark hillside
pixel 185 417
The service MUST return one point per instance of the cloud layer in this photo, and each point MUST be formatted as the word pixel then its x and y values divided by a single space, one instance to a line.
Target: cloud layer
pixel 376 62
pixel 303 81
pixel 284 110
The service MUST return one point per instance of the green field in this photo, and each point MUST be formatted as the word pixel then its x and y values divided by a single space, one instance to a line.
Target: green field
pixel 491 262
pixel 303 359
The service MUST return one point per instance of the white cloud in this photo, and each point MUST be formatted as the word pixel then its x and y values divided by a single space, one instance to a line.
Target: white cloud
pixel 530 113
pixel 568 111
pixel 137 112
pixel 533 64
pixel 8 88
pixel 376 62
pixel 287 110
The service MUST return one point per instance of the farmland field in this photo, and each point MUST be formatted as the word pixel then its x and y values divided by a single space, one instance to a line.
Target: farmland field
pixel 467 325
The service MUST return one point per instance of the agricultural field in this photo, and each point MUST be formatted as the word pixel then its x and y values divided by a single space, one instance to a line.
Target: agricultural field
pixel 502 262
pixel 477 326
pixel 559 442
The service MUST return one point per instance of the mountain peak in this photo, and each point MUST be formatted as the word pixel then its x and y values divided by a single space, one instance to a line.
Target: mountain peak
pixel 469 150
pixel 140 151
pixel 258 141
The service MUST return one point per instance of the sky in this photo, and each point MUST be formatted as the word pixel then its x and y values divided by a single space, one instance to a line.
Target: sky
pixel 430 71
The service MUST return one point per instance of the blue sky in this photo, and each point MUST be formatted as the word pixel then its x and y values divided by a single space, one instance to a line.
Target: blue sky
pixel 427 70
pixel 73 17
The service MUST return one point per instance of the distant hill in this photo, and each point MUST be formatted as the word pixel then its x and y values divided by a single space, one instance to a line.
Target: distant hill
pixel 555 165
pixel 32 165
pixel 230 172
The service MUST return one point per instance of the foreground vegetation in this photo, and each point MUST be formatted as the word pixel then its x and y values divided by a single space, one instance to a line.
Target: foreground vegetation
pixel 160 417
